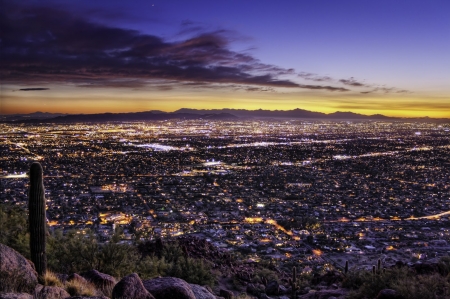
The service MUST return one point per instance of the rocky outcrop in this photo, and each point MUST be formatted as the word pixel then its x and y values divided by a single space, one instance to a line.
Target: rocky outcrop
pixel 201 292
pixel 169 288
pixel 16 271
pixel 131 287
pixel 101 281
pixel 48 292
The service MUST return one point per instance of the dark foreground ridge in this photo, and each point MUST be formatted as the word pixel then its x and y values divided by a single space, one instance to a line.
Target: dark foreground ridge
pixel 196 114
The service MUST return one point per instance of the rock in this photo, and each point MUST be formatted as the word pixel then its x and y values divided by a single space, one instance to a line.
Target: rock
pixel 15 296
pixel 48 292
pixel 103 282
pixel 201 292
pixel 131 287
pixel 169 288
pixel 272 288
pixel 264 296
pixel 226 294
pixel 389 294
pixel 16 272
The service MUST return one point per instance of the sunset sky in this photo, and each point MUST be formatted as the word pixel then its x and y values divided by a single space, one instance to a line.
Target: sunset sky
pixel 386 56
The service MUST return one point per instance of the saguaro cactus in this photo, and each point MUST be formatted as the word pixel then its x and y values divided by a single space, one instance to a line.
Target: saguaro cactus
pixel 379 266
pixel 293 283
pixel 346 268
pixel 37 219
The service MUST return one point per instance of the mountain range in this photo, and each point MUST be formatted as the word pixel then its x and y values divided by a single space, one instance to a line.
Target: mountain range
pixel 207 114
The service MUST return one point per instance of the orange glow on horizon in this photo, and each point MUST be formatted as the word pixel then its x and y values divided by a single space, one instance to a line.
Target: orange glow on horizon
pixel 74 103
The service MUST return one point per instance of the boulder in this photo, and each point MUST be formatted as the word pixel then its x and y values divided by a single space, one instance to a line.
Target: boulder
pixel 389 294
pixel 169 288
pixel 48 292
pixel 201 292
pixel 226 294
pixel 101 281
pixel 16 272
pixel 131 287
pixel 15 296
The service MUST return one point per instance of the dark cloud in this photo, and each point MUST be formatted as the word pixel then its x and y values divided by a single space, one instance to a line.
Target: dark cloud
pixel 352 82
pixel 329 88
pixel 385 90
pixel 315 77
pixel 33 89
pixel 42 44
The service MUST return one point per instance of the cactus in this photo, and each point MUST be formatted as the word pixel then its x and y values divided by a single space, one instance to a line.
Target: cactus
pixel 379 266
pixel 374 270
pixel 346 268
pixel 37 219
pixel 293 283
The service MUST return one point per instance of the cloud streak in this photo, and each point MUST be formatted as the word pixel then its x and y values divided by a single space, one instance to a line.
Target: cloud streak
pixel 33 89
pixel 42 44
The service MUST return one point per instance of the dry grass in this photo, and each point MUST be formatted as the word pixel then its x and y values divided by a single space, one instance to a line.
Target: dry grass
pixel 80 288
pixel 51 279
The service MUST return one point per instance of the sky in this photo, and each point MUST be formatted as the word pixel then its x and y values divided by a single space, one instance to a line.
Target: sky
pixel 370 57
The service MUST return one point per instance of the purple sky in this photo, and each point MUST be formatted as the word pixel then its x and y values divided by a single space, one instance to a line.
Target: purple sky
pixel 388 57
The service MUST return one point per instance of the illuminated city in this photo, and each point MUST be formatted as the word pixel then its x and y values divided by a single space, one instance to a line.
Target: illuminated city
pixel 311 191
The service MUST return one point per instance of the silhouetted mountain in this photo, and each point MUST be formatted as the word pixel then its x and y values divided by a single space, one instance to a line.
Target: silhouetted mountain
pixel 242 113
pixel 212 114
pixel 34 115
pixel 124 117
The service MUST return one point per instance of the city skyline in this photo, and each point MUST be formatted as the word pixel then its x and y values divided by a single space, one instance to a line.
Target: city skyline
pixel 93 57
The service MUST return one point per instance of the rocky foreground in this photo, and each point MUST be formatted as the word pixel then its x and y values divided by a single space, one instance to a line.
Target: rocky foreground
pixel 19 280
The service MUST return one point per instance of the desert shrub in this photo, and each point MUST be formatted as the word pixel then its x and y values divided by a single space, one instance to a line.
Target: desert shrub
pixel 264 273
pixel 80 288
pixel 404 281
pixel 152 266
pixel 444 265
pixel 117 259
pixel 51 279
pixel 74 253
pixel 14 230
pixel 192 270
pixel 429 286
